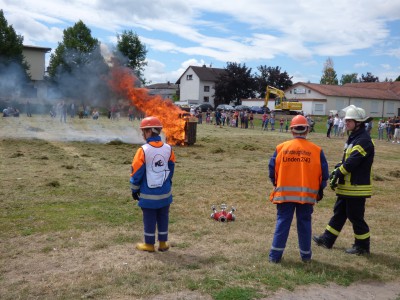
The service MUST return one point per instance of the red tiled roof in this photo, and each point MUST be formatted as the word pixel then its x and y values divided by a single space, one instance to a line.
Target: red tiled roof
pixel 368 90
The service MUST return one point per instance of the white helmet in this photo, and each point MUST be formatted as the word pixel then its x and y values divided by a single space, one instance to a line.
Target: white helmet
pixel 355 113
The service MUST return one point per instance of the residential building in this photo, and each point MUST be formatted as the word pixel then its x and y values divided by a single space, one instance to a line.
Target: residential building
pixel 165 90
pixel 379 99
pixel 35 57
pixel 196 84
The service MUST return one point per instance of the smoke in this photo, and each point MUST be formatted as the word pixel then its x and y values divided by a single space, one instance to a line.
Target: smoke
pixel 13 80
pixel 75 130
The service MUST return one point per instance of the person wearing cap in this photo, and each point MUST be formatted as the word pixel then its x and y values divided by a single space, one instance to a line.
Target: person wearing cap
pixel 299 172
pixel 352 182
pixel 151 184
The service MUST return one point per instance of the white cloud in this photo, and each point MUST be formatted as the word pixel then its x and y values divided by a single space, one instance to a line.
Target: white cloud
pixel 222 31
pixel 361 65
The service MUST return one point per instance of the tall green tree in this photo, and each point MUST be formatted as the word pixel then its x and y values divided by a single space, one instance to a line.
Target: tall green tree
pixel 76 50
pixel 349 78
pixel 369 78
pixel 273 77
pixel 329 74
pixel 133 51
pixel 398 78
pixel 77 67
pixel 235 84
pixel 13 67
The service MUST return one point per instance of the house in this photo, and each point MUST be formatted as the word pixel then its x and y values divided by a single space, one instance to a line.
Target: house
pixel 378 99
pixel 196 84
pixel 165 90
pixel 35 58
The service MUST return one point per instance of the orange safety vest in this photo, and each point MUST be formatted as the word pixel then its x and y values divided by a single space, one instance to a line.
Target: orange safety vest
pixel 298 172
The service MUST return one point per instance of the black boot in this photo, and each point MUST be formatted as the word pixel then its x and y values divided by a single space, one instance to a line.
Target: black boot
pixel 321 241
pixel 358 250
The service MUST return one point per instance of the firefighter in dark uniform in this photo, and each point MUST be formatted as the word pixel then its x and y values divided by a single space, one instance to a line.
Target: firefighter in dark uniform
pixel 352 182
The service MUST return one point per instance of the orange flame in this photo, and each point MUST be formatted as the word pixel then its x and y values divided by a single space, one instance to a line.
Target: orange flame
pixel 122 81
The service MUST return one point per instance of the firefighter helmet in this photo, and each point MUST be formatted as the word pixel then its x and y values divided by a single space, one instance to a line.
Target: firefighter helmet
pixel 299 124
pixel 150 122
pixel 355 113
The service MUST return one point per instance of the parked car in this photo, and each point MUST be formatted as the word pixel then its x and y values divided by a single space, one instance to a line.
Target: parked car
pixel 257 110
pixel 204 107
pixel 225 107
pixel 242 107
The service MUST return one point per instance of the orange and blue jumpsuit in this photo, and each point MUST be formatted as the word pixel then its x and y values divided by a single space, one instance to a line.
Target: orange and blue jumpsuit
pixel 298 170
pixel 151 176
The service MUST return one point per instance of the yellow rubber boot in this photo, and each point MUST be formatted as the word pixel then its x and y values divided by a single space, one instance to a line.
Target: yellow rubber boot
pixel 145 247
pixel 164 246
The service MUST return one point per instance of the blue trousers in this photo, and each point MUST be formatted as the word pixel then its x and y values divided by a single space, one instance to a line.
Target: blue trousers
pixel 285 212
pixel 153 218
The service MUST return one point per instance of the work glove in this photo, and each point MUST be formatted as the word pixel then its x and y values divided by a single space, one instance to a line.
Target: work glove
pixel 333 178
pixel 135 195
pixel 320 195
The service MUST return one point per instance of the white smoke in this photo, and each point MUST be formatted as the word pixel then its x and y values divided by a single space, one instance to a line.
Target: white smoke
pixel 46 128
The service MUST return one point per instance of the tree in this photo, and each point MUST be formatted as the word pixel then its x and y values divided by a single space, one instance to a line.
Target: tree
pixel 74 51
pixel 77 67
pixel 134 52
pixel 398 78
pixel 235 84
pixel 13 68
pixel 329 74
pixel 349 78
pixel 368 78
pixel 273 77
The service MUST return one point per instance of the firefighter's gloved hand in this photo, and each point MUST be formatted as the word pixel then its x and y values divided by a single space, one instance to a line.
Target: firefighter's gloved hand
pixel 333 178
pixel 320 195
pixel 135 195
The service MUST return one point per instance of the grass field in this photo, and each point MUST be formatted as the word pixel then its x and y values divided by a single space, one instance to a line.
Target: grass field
pixel 68 225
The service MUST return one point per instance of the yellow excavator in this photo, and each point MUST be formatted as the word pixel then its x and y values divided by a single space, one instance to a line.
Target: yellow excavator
pixel 292 107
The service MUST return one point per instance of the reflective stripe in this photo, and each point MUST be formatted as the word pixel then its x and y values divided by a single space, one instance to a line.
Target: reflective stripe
pixel 332 230
pixel 354 190
pixel 163 233
pixel 277 249
pixel 295 189
pixel 343 170
pixel 362 236
pixel 149 234
pixel 359 149
pixel 155 197
pixel 295 198
pixel 305 252
pixel 135 187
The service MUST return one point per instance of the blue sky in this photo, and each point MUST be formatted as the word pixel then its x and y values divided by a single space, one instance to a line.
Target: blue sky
pixel 296 35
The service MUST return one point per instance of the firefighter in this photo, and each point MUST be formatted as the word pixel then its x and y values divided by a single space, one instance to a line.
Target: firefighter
pixel 352 182
pixel 151 181
pixel 299 172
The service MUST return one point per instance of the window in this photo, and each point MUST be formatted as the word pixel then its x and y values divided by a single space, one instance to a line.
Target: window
pixel 206 88
pixel 189 77
pixel 206 99
pixel 340 104
pixel 374 107
pixel 319 107
pixel 390 108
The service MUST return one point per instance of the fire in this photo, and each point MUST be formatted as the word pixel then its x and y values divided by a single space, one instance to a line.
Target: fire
pixel 122 81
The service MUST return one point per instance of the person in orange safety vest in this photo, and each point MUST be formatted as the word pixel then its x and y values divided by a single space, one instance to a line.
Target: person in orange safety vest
pixel 299 172
pixel 151 184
